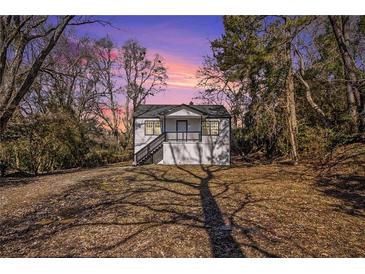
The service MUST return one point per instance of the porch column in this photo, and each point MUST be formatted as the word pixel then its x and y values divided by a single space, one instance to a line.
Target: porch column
pixel 201 128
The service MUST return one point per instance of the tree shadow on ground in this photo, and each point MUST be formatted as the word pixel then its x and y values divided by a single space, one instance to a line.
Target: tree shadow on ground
pixel 222 242
pixel 217 224
pixel 143 202
pixel 348 188
pixel 15 181
pixel 342 176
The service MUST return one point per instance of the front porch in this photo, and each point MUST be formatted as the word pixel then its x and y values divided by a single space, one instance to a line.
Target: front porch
pixel 182 128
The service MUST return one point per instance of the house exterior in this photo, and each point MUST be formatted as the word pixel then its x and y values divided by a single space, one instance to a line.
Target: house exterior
pixel 182 134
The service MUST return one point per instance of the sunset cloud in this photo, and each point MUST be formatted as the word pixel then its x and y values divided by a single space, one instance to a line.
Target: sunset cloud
pixel 182 41
pixel 181 72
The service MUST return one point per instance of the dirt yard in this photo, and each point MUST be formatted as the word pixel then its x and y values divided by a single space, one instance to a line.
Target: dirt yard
pixel 165 211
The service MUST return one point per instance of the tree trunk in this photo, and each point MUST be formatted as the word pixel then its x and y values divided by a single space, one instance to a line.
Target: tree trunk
pixel 308 92
pixel 291 112
pixel 317 109
pixel 7 110
pixel 17 162
pixel 290 95
pixel 351 104
pixel 355 99
pixel 235 121
pixel 127 124
pixel 117 139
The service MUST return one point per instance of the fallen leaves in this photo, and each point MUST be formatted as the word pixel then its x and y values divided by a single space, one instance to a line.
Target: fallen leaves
pixel 188 211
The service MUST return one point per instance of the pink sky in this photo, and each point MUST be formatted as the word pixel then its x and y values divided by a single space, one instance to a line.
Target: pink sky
pixel 182 41
pixel 181 84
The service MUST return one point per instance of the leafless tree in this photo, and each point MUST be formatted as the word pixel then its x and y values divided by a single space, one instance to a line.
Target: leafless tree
pixel 25 43
pixel 104 72
pixel 219 89
pixel 143 78
pixel 65 81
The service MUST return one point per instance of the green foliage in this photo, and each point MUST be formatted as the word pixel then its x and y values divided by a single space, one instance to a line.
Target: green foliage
pixel 240 51
pixel 242 144
pixel 105 43
pixel 314 142
pixel 252 50
pixel 258 52
pixel 57 141
pixel 98 156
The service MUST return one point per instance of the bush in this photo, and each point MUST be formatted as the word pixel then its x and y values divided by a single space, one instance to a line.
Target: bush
pixel 315 142
pixel 98 156
pixel 45 143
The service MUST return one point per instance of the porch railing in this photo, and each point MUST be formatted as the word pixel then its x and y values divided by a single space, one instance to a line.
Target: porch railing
pixel 183 136
pixel 149 149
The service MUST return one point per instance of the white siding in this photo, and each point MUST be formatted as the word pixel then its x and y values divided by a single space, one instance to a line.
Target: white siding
pixel 140 138
pixel 212 150
pixel 184 112
pixel 195 153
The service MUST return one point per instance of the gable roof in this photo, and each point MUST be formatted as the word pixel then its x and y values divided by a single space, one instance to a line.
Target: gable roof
pixel 152 111
pixel 182 106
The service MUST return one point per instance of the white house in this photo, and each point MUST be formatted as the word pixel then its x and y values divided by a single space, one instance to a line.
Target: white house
pixel 182 134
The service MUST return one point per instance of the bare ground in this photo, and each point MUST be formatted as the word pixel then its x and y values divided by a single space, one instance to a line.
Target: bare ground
pixel 188 211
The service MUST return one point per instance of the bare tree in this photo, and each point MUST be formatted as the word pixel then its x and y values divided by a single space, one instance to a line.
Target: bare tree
pixel 144 78
pixel 25 43
pixel 219 89
pixel 308 91
pixel 65 82
pixel 17 34
pixel 105 71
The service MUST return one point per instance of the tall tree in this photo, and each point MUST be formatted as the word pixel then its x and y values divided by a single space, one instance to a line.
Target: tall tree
pixel 356 99
pixel 219 89
pixel 17 74
pixel 25 43
pixel 143 77
pixel 259 50
pixel 105 71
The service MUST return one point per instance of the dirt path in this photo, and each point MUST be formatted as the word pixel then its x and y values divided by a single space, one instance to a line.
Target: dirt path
pixel 18 195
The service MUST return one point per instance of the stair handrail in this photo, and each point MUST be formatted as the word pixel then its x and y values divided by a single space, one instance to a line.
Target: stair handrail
pixel 149 147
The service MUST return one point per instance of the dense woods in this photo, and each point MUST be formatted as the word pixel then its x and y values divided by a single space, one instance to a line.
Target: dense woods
pixel 67 101
pixel 294 86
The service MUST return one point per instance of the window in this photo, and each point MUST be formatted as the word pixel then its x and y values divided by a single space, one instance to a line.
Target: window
pixel 152 127
pixel 210 127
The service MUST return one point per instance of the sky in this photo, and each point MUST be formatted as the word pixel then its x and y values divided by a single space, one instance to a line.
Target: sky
pixel 182 41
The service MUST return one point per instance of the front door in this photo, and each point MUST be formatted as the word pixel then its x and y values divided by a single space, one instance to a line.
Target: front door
pixel 181 128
